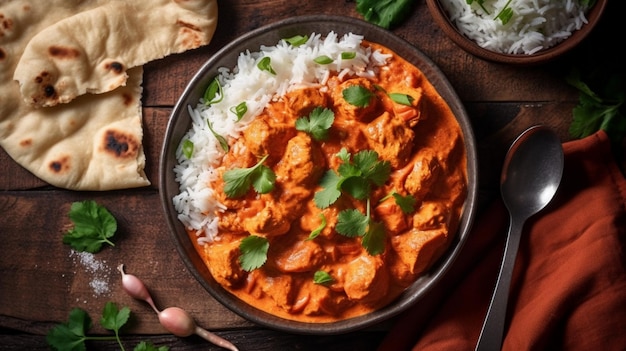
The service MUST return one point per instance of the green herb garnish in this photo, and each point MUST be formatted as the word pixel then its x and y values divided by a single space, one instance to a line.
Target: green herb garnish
pixel 348 55
pixel 317 231
pixel 72 335
pixel 266 65
pixel 220 139
pixel 386 14
pixel 323 60
pixel 237 181
pixel 322 278
pixel 93 226
pixel 317 123
pixel 402 99
pixel 253 252
pixel 352 223
pixel 505 14
pixel 187 148
pixel 354 177
pixel 357 95
pixel 213 93
pixel 239 110
pixel 480 3
pixel 297 40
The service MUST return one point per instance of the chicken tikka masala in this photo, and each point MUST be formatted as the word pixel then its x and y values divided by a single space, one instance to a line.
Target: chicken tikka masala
pixel 360 201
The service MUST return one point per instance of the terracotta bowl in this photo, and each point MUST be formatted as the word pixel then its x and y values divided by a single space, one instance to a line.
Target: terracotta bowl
pixel 440 16
pixel 180 123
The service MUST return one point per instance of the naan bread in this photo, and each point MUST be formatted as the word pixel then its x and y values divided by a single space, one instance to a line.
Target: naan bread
pixel 91 51
pixel 91 143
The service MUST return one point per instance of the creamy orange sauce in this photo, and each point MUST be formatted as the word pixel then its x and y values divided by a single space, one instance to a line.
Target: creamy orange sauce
pixel 424 145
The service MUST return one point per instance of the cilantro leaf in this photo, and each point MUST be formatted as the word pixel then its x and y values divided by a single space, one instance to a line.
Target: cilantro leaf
pixel 93 226
pixel 253 252
pixel 317 123
pixel 70 335
pixel 238 181
pixel 352 223
pixel 322 278
pixel 402 99
pixel 406 203
pixel 113 319
pixel 384 13
pixel 330 192
pixel 374 238
pixel 357 95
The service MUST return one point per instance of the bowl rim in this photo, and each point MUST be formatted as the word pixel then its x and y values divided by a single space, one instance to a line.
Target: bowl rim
pixel 438 12
pixel 252 40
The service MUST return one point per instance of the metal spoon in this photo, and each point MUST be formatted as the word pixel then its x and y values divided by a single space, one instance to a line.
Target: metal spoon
pixel 530 177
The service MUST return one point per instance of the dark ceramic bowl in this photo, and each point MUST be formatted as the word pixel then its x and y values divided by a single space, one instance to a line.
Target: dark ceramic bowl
pixel 179 124
pixel 440 16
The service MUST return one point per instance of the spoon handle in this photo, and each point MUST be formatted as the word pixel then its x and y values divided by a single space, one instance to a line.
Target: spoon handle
pixel 493 327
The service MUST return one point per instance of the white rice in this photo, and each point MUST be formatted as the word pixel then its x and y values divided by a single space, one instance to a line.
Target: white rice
pixel 534 26
pixel 196 204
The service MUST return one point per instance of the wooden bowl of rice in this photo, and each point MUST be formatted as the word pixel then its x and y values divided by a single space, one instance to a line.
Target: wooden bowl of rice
pixel 521 32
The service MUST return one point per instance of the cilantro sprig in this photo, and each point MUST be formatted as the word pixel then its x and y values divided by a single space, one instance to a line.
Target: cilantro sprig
pixel 357 95
pixel 253 250
pixel 94 225
pixel 72 334
pixel 317 123
pixel 238 181
pixel 386 14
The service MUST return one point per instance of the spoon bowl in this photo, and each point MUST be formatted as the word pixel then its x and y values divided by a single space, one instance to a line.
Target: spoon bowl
pixel 532 172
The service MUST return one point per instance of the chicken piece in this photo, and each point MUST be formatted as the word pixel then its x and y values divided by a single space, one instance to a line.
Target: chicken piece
pixel 223 262
pixel 431 215
pixel 301 256
pixel 390 138
pixel 347 111
pixel 426 169
pixel 281 288
pixel 320 300
pixel 302 163
pixel 392 216
pixel 302 101
pixel 366 279
pixel 415 251
pixel 262 139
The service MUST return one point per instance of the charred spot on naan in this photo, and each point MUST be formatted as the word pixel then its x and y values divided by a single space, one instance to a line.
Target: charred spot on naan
pixel 60 166
pixel 6 25
pixel 120 144
pixel 3 54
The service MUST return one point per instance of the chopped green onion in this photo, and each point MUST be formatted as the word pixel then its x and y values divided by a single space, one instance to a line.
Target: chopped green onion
pixel 297 40
pixel 239 110
pixel 266 65
pixel 220 139
pixel 348 55
pixel 187 148
pixel 213 93
pixel 323 60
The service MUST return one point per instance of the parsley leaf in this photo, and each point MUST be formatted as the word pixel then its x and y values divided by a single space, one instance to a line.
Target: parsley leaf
pixel 384 13
pixel 253 252
pixel 238 181
pixel 93 226
pixel 322 278
pixel 357 95
pixel 317 123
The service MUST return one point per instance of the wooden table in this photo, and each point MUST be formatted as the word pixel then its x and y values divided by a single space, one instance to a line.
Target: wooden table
pixel 41 279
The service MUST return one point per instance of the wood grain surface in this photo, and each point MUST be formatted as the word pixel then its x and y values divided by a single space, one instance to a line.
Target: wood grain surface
pixel 41 279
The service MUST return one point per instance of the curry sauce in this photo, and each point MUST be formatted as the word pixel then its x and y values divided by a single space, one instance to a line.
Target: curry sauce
pixel 423 144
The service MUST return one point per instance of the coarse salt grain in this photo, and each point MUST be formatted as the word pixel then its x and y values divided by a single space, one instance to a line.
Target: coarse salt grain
pixel 98 270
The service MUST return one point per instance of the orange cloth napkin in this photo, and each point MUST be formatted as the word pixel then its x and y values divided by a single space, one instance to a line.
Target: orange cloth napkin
pixel 568 290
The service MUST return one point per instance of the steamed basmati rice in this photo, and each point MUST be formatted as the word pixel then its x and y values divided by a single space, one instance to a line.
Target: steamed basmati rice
pixel 196 204
pixel 535 25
